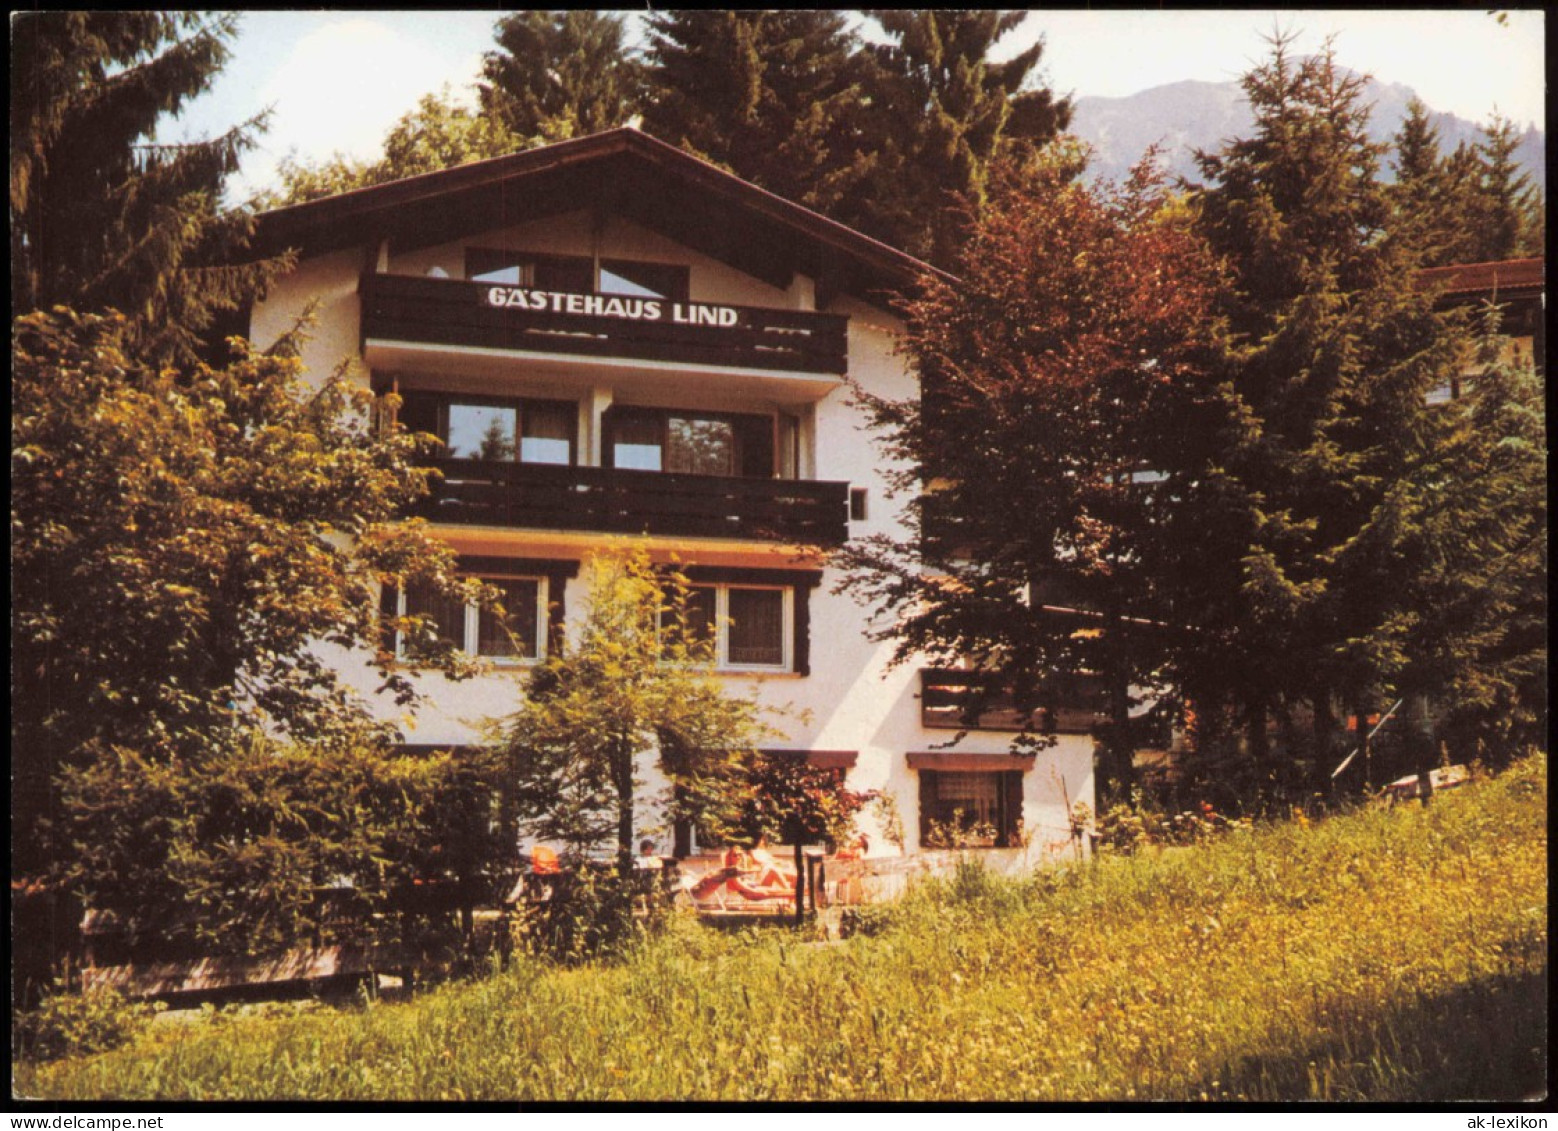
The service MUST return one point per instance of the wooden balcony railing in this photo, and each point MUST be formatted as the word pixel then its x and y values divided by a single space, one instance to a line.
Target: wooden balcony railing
pixel 611 501
pixel 959 700
pixel 458 313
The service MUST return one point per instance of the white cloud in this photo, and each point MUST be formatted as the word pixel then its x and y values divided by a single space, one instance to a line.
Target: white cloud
pixel 343 85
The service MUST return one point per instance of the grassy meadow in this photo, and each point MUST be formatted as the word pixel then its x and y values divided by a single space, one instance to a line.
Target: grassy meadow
pixel 1389 955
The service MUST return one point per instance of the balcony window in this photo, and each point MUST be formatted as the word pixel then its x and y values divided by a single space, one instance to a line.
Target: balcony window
pixel 515 635
pixel 485 432
pixel 577 274
pixel 643 280
pixel 496 431
pixel 570 273
pixel 546 433
pixel 692 443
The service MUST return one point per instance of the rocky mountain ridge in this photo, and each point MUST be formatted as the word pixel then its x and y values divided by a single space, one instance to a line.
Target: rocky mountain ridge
pixel 1183 116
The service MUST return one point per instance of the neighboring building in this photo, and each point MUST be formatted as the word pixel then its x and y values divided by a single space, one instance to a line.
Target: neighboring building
pixel 619 342
pixel 1517 287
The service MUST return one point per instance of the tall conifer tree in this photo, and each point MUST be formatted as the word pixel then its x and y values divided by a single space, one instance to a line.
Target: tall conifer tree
pixel 557 75
pixel 1343 465
pixel 941 110
pixel 103 215
pixel 773 95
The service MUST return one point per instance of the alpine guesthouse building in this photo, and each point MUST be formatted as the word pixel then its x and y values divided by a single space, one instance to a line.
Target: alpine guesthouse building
pixel 619 343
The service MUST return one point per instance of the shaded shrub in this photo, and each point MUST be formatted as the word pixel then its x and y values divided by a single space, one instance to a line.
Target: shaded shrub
pixel 259 847
pixel 67 1024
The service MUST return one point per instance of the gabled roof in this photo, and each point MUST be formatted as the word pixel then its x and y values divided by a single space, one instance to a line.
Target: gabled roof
pixel 619 172
pixel 1499 279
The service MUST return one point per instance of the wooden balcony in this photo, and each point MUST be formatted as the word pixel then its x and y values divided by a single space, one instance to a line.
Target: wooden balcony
pixel 611 501
pixel 454 312
pixel 960 700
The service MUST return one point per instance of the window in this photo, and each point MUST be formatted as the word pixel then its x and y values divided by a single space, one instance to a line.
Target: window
pixel 516 635
pixel 970 809
pixel 643 280
pixel 494 430
pixel 691 443
pixel 752 626
pixel 570 273
pixel 576 274
pixel 857 504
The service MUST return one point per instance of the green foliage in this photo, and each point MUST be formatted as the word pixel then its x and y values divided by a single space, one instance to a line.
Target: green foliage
pixel 557 75
pixel 438 134
pixel 941 112
pixel 182 544
pixel 786 800
pixel 255 848
pixel 103 215
pixel 1469 206
pixel 1392 956
pixel 1075 352
pixel 635 682
pixel 595 914
pixel 1335 565
pixel 774 96
pixel 79 1024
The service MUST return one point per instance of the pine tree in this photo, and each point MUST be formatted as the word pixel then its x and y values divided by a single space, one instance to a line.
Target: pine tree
pixel 941 110
pixel 557 75
pixel 772 95
pixel 102 214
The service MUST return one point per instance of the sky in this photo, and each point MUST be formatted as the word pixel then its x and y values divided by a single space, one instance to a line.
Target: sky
pixel 337 81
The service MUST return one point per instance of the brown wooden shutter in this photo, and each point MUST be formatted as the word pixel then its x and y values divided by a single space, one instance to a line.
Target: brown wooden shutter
pixel 1011 808
pixel 928 799
pixel 802 650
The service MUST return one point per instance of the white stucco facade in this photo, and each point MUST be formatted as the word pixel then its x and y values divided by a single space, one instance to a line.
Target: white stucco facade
pixel 849 699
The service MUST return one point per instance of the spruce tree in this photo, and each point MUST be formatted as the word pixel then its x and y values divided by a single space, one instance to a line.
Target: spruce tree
pixel 103 215
pixel 1319 592
pixel 1508 221
pixel 557 75
pixel 941 110
pixel 772 95
pixel 1434 194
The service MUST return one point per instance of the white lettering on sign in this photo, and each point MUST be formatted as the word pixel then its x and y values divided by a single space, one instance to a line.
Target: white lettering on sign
pixel 611 306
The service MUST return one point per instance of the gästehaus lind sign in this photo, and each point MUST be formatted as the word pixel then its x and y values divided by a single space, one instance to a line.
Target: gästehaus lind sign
pixel 611 306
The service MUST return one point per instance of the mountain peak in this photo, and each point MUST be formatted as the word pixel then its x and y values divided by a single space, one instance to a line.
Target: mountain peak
pixel 1181 117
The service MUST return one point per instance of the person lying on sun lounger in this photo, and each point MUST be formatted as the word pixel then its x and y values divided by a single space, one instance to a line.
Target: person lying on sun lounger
pixel 770 873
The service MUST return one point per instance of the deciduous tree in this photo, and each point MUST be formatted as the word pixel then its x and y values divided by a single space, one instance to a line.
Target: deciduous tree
pixel 438 134
pixel 1063 452
pixel 634 687
pixel 184 542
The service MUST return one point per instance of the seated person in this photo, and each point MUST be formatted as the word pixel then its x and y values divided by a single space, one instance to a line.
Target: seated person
pixel 646 858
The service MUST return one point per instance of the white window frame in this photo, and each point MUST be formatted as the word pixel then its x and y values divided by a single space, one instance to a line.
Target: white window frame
pixel 722 619
pixel 472 639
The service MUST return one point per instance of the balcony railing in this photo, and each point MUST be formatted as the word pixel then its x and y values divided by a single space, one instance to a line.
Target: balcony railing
pixel 960 700
pixel 459 313
pixel 612 501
